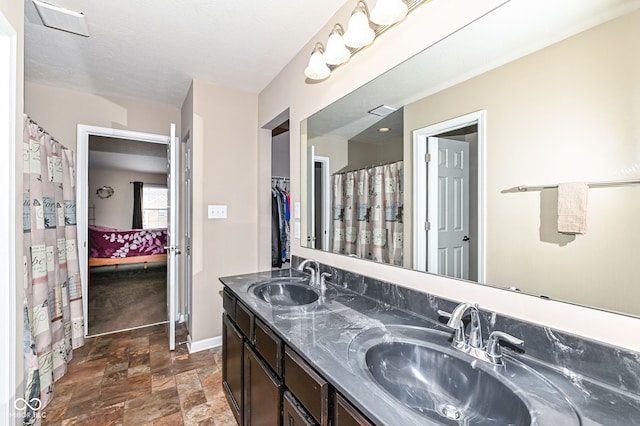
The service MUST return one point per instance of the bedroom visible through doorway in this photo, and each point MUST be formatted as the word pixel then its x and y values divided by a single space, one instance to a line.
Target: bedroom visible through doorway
pixel 126 178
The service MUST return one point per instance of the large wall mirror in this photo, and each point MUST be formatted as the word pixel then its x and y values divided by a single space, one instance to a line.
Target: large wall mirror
pixel 449 163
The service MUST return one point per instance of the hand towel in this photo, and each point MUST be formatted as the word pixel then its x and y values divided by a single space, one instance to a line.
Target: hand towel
pixel 572 207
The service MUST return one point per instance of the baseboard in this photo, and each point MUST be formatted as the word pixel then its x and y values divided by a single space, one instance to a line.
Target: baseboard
pixel 201 345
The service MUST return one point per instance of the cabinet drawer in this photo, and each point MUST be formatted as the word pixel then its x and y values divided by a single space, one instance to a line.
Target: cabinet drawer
pixel 269 346
pixel 307 386
pixel 244 319
pixel 229 303
pixel 345 414
pixel 293 414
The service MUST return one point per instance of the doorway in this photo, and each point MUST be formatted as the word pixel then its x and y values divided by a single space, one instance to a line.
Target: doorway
pixel 121 174
pixel 169 143
pixel 280 197
pixel 449 198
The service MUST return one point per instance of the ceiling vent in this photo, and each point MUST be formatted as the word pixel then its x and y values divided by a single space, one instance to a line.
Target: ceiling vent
pixel 62 19
pixel 382 110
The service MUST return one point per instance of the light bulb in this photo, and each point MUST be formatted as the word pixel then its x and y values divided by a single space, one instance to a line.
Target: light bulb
pixel 388 12
pixel 317 68
pixel 359 33
pixel 336 52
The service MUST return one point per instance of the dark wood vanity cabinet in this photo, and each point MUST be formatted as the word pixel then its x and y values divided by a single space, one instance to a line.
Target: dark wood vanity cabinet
pixel 293 414
pixel 307 386
pixel 345 414
pixel 268 384
pixel 232 366
pixel 262 392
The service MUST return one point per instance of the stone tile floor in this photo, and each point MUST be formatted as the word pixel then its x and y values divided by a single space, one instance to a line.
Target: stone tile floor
pixel 131 378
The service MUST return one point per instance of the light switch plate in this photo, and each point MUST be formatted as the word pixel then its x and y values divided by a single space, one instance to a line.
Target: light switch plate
pixel 217 211
pixel 296 229
pixel 296 210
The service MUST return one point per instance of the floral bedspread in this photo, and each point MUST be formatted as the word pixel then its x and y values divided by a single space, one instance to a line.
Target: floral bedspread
pixel 117 243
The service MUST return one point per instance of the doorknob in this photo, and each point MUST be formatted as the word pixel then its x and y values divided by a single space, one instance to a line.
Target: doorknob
pixel 465 238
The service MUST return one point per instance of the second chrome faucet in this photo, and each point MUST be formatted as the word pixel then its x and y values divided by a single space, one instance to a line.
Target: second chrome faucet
pixel 473 343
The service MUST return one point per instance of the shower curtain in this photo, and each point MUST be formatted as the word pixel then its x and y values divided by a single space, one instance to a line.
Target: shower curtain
pixel 53 321
pixel 367 208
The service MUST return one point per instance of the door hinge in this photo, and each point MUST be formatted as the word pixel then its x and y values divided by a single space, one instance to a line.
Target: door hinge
pixel 427 226
pixel 427 158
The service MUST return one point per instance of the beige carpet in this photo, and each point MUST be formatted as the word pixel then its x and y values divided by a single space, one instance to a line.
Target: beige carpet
pixel 129 297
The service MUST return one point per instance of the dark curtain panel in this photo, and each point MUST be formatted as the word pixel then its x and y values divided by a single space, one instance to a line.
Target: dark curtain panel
pixel 137 205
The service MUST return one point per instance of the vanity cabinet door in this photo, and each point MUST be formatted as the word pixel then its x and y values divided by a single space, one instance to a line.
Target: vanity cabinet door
pixel 262 392
pixel 345 414
pixel 232 369
pixel 293 414
pixel 307 386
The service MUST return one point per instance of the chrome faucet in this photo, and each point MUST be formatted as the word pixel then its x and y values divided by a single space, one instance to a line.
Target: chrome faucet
pixel 313 271
pixel 473 345
pixel 475 329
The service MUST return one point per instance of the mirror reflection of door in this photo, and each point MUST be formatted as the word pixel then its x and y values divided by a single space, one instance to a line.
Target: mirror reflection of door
pixel 318 200
pixel 448 207
pixel 448 237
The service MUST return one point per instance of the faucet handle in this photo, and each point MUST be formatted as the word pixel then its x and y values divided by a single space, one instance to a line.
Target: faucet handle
pixel 323 277
pixel 494 351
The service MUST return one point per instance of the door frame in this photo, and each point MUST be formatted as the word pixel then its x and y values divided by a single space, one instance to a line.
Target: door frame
pixel 326 199
pixel 420 173
pixel 187 234
pixel 82 202
pixel 8 221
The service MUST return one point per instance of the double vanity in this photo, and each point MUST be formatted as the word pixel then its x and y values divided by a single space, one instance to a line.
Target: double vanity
pixel 319 345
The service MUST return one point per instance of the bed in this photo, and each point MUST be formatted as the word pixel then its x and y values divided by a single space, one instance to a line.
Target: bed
pixel 108 246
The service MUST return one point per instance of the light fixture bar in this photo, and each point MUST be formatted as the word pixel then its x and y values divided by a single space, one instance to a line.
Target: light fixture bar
pixel 361 6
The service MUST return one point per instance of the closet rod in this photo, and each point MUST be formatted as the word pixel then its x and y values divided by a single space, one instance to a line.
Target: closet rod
pixel 524 188
pixel 280 178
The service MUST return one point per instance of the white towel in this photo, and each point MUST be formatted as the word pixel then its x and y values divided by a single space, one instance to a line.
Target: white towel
pixel 572 207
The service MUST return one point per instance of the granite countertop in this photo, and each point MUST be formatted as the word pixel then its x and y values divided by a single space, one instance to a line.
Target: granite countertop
pixel 331 334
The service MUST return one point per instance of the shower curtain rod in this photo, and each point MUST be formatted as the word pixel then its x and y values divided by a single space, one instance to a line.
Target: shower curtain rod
pixel 369 167
pixel 41 129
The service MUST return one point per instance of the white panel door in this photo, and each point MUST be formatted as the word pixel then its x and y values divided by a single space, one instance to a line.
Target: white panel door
pixel 449 207
pixel 173 235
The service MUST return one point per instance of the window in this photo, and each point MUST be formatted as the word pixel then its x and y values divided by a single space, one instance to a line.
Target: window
pixel 154 206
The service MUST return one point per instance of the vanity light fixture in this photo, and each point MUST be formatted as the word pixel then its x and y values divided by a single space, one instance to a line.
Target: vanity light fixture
pixel 361 31
pixel 336 52
pixel 317 68
pixel 388 12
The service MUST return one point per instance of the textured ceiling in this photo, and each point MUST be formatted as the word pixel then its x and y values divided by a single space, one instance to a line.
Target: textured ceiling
pixel 152 49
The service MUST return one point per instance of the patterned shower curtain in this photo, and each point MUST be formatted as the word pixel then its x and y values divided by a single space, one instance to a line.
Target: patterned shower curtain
pixel 367 208
pixel 52 293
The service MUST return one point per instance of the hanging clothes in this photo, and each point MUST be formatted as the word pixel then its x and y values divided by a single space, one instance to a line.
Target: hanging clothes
pixel 53 316
pixel 280 229
pixel 276 247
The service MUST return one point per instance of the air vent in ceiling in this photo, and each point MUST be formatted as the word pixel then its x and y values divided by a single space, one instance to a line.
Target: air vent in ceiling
pixel 62 19
pixel 382 110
